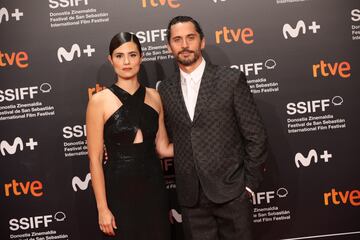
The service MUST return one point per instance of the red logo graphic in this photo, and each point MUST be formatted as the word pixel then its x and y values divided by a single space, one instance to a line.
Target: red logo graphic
pixel 35 188
pixel 332 69
pixel 157 3
pixel 245 35
pixel 339 197
pixel 20 59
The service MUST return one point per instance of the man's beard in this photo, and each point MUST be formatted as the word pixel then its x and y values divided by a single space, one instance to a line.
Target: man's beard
pixel 187 61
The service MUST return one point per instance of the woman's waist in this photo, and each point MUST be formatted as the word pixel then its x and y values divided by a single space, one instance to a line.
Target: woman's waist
pixel 130 152
pixel 135 163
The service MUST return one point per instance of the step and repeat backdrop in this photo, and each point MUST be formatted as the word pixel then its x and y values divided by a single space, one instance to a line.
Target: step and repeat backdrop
pixel 301 59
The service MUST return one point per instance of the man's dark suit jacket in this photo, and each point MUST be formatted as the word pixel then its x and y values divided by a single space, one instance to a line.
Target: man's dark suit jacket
pixel 224 147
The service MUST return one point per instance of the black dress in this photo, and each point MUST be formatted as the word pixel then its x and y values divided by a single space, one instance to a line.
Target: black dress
pixel 134 182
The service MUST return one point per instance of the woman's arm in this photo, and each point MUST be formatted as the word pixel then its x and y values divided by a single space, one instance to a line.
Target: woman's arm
pixel 163 147
pixel 95 143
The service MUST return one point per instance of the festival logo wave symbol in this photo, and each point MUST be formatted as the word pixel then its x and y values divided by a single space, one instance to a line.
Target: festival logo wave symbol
pixel 305 161
pixel 68 56
pixel 11 148
pixel 294 32
pixel 78 183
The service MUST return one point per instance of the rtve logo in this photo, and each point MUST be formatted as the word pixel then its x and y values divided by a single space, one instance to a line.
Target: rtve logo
pixel 300 160
pixel 78 183
pixel 76 131
pixel 255 67
pixel 355 15
pixel 300 27
pixel 313 105
pixel 343 69
pixel 339 197
pixel 6 148
pixel 20 59
pixel 26 223
pixel 34 188
pixel 260 197
pixel 245 35
pixel 16 94
pixel 66 3
pixel 158 3
pixel 62 53
pixel 4 14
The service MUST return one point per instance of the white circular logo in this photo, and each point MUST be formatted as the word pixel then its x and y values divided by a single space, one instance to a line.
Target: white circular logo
pixel 59 216
pixel 282 192
pixel 337 100
pixel 270 64
pixel 45 87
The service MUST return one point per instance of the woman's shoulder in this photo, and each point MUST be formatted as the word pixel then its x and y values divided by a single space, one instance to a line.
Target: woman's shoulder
pixel 100 97
pixel 153 93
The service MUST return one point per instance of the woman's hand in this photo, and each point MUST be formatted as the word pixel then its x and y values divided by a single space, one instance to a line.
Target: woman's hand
pixel 107 222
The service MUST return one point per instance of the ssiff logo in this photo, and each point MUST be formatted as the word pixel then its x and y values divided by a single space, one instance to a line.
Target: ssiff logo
pixel 312 106
pixel 355 15
pixel 301 160
pixel 343 69
pixel 63 54
pixel 20 59
pixel 7 148
pixel 26 223
pixel 228 35
pixel 260 197
pixel 76 131
pixel 158 3
pixel 150 36
pixel 17 94
pixel 5 15
pixel 300 27
pixel 255 67
pixel 66 3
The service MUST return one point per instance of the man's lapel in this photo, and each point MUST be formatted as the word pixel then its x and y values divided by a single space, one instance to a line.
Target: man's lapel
pixel 206 90
pixel 179 98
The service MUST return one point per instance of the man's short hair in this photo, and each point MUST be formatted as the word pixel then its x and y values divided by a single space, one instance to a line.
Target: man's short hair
pixel 182 19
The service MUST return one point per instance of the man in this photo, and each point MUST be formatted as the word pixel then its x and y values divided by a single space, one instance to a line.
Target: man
pixel 218 135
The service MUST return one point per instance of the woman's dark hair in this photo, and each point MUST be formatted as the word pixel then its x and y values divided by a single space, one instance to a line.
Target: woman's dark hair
pixel 182 19
pixel 121 38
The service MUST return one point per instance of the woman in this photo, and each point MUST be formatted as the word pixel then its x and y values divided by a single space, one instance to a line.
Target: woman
pixel 127 117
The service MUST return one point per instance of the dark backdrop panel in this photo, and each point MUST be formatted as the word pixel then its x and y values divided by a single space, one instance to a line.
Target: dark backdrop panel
pixel 301 59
